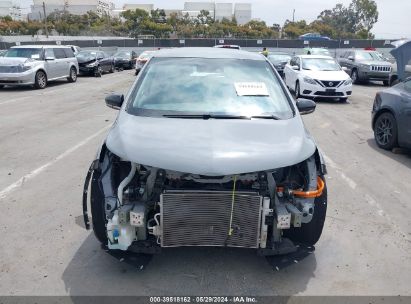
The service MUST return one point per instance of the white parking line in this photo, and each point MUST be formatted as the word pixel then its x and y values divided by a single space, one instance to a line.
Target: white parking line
pixel 34 173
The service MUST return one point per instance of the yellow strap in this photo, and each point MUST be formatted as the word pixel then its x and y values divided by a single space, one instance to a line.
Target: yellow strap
pixel 230 231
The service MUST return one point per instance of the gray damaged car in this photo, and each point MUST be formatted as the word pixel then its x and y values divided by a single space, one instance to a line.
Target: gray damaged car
pixel 208 149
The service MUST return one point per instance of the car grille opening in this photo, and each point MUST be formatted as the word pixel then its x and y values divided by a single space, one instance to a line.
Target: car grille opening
pixel 202 218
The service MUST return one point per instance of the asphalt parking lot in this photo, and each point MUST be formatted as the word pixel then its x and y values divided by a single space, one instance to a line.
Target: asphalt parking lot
pixel 49 137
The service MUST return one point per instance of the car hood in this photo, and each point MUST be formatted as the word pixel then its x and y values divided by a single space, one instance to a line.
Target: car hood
pixel 375 62
pixel 14 60
pixel 212 147
pixel 326 75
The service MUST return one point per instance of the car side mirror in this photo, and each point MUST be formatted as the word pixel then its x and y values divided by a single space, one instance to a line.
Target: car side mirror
pixel 114 101
pixel 295 67
pixel 351 58
pixel 305 106
pixel 50 58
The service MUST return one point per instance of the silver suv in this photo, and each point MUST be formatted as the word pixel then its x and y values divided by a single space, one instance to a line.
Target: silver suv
pixel 363 65
pixel 37 65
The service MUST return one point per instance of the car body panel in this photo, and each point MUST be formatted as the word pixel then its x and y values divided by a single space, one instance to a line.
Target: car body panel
pixel 210 147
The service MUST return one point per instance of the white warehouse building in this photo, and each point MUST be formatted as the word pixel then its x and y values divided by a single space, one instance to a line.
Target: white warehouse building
pixel 76 7
pixel 242 12
pixel 223 10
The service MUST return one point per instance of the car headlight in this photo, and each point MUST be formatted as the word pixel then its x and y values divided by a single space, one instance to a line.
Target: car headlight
pixel 364 66
pixel 25 68
pixel 92 65
pixel 309 80
pixel 348 82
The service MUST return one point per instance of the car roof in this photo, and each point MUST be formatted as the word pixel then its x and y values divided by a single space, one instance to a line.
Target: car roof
pixel 39 46
pixel 211 53
pixel 315 56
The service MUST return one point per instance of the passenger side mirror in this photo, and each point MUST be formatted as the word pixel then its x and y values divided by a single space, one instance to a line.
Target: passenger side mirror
pixel 305 106
pixel 351 58
pixel 114 101
pixel 295 67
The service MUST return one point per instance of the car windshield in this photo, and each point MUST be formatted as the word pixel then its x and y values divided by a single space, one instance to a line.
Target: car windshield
pixel 33 53
pixel 320 64
pixel 86 55
pixel 122 54
pixel 368 56
pixel 279 57
pixel 209 86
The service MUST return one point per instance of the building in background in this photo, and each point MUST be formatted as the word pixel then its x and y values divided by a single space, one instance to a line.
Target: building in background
pixel 132 6
pixel 199 6
pixel 76 7
pixel 242 12
pixel 223 11
pixel 8 8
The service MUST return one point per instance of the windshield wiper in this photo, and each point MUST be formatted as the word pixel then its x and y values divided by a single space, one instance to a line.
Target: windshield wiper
pixel 266 117
pixel 205 116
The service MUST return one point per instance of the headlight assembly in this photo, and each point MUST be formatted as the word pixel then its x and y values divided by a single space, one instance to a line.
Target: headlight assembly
pixel 309 80
pixel 348 82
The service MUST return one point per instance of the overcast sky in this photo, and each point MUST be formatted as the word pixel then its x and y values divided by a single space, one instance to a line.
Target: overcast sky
pixel 394 19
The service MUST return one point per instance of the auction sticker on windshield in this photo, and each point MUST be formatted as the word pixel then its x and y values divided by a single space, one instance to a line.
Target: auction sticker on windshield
pixel 251 89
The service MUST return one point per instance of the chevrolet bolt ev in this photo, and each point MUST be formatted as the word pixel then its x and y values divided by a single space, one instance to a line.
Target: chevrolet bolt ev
pixel 208 149
pixel 36 65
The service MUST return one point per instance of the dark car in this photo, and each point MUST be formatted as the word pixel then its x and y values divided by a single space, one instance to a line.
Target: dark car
pixel 95 63
pixel 125 60
pixel 313 37
pixel 279 60
pixel 391 116
pixel 365 65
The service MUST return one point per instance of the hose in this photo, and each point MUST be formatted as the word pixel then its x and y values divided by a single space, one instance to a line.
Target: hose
pixel 125 182
pixel 307 194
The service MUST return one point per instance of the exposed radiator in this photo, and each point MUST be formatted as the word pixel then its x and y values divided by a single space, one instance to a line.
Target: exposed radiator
pixel 202 218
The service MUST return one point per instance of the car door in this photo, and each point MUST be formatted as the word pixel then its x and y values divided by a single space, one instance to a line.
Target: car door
pixel 50 64
pixel 404 123
pixel 105 62
pixel 61 62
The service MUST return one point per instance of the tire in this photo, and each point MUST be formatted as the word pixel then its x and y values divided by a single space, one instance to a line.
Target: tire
pixel 394 82
pixel 40 80
pixel 98 72
pixel 354 77
pixel 386 83
pixel 97 209
pixel 112 68
pixel 344 99
pixel 73 75
pixel 309 234
pixel 297 90
pixel 386 131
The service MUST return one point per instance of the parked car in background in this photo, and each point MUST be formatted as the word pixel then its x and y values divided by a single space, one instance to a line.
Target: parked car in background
pixel 208 149
pixel 391 116
pixel 317 76
pixel 318 51
pixel 279 60
pixel 313 37
pixel 37 65
pixel 75 49
pixel 95 63
pixel 363 66
pixel 2 53
pixel 228 46
pixel 125 59
pixel 142 59
pixel 394 73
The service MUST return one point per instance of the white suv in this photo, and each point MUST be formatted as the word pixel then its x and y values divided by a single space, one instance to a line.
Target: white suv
pixel 317 76
pixel 37 65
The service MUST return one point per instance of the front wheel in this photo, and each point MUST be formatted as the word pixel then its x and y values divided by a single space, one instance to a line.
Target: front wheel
pixel 40 80
pixel 343 99
pixel 112 68
pixel 98 72
pixel 310 233
pixel 354 77
pixel 73 75
pixel 386 83
pixel 385 131
pixel 297 90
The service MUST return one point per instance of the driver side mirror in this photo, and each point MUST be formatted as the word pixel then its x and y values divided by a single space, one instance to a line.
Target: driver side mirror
pixel 114 101
pixel 351 58
pixel 305 106
pixel 295 67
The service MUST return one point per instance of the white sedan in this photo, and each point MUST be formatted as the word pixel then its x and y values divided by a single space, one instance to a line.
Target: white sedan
pixel 317 76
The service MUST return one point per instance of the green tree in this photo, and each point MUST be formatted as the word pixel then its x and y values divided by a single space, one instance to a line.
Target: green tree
pixel 134 21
